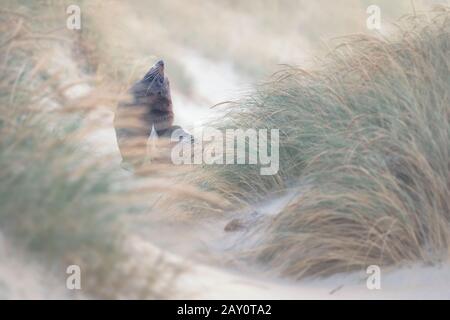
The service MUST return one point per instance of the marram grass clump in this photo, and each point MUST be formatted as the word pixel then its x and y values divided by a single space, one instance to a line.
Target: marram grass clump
pixel 368 132
pixel 61 203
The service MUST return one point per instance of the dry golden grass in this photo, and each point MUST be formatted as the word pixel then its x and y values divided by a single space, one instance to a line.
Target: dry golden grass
pixel 367 132
pixel 60 201
pixel 367 136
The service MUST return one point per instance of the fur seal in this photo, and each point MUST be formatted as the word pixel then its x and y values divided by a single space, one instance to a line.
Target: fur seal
pixel 150 109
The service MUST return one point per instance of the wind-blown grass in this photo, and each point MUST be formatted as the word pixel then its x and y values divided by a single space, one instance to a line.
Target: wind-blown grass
pixel 368 131
pixel 366 134
pixel 59 202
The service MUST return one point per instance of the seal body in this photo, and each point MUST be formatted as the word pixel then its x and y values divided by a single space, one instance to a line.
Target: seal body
pixel 150 110
pixel 150 107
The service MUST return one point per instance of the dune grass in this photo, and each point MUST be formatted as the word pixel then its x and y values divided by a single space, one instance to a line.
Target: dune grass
pixel 60 202
pixel 367 131
pixel 366 134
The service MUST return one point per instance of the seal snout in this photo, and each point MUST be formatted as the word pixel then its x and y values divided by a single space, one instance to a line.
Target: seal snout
pixel 160 66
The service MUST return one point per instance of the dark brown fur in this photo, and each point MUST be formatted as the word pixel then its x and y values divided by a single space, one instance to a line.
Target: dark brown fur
pixel 151 106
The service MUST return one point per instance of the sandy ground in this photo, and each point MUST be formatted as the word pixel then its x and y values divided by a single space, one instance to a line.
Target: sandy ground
pixel 200 281
pixel 416 282
pixel 24 278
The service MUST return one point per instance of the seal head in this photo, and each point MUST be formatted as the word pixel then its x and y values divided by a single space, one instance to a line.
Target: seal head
pixel 153 92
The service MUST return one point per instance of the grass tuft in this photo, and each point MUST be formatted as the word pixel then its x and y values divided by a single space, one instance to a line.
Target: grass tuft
pixel 367 135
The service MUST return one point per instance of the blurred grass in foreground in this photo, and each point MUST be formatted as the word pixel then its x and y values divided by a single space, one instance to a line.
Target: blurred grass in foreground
pixel 60 202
